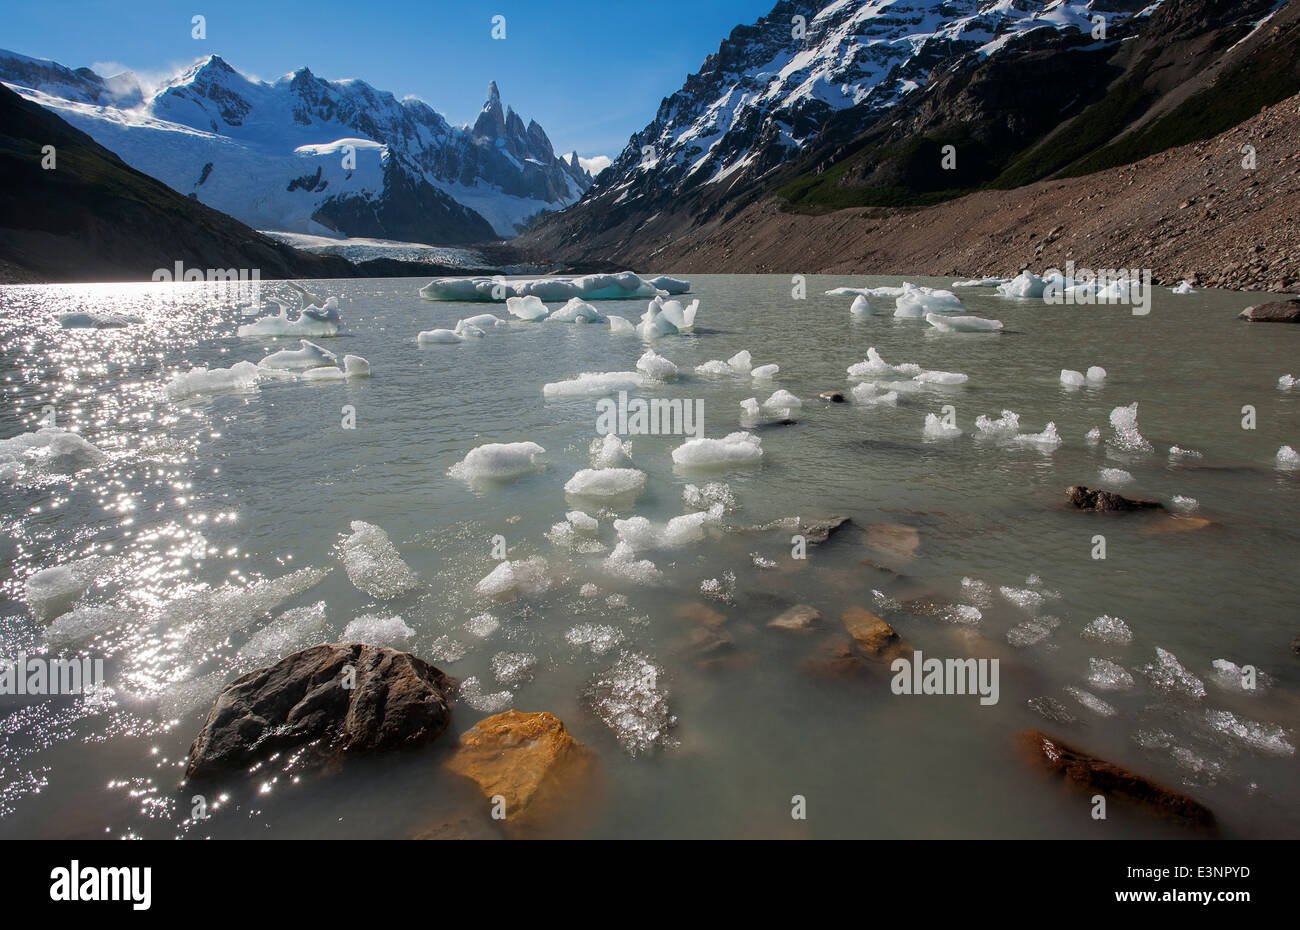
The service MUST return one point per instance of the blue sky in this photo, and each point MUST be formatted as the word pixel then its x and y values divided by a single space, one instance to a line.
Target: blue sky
pixel 592 72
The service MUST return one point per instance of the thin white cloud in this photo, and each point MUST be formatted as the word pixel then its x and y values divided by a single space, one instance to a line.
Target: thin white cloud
pixel 596 164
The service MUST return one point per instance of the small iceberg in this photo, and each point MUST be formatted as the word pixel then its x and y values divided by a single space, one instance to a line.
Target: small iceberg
pixel 962 324
pixel 610 452
pixel 527 308
pixel 936 428
pixel 862 307
pixel 606 482
pixel 241 376
pixel 578 310
pixel 655 367
pixel 1025 284
pixel 667 318
pixel 915 302
pixel 309 356
pixel 594 383
pixel 735 449
pixel 498 461
pixel 354 366
pixel 1183 288
pixel 373 563
pixel 311 321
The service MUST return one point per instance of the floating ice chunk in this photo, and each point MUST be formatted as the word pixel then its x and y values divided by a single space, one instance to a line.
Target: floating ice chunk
pixel 1288 459
pixel 440 337
pixel 484 322
pixel 528 308
pixel 1032 631
pixel 51 592
pixel 714 367
pixel 482 626
pixel 672 286
pixel 1115 476
pixel 722 588
pixel 1025 598
pixel 374 630
pixel 1178 452
pixel 210 616
pixel 976 591
pixel 1072 379
pixel 865 292
pixel 875 367
pixel 1091 701
pixel 1092 437
pixel 290 632
pixel 868 394
pixel 1106 675
pixel 596 638
pixel 750 407
pixel 655 367
pixel 578 311
pixel 83 624
pixel 48 449
pixel 513 668
pixel 1232 676
pixel 1096 374
pixel 354 366
pixel 742 362
pixel 765 372
pixel 1286 382
pixel 782 402
pixel 606 482
pixel 1005 427
pixel 936 428
pixel 499 461
pixel 1025 284
pixel 623 563
pixel 630 699
pixel 962 324
pixel 715 492
pixel 610 452
pixel 1268 738
pixel 655 322
pixel 981 282
pixel 446 649
pixel 916 302
pixel 622 286
pixel 1127 438
pixel 312 321
pixel 641 534
pixel 1108 629
pixel 618 324
pixel 682 317
pixel 309 356
pixel 480 699
pixel 373 563
pixel 92 320
pixel 1185 287
pixel 527 576
pixel 732 450
pixel 241 376
pixel 1167 674
pixel 1049 438
pixel 862 307
pixel 590 384
pixel 1182 504
pixel 942 378
pixel 583 523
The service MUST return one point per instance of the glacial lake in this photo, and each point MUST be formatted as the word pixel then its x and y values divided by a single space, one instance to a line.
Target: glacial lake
pixel 199 506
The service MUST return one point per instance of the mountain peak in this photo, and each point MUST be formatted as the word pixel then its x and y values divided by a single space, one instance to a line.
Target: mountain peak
pixel 493 97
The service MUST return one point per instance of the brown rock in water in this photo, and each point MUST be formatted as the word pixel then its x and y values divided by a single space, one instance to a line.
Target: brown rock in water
pixel 893 541
pixel 396 701
pixel 798 619
pixel 873 636
pixel 529 760
pixel 1097 776
pixel 838 661
pixel 1106 501
pixel 1295 645
pixel 700 614
pixel 1279 311
pixel 817 533
pixel 1175 524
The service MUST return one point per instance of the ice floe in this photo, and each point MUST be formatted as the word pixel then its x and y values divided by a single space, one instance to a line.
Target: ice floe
pixel 655 367
pixel 703 498
pixel 610 452
pixel 513 668
pixel 51 592
pixel 936 428
pixel 1167 674
pixel 309 356
pixel 1025 284
pixel 962 324
pixel 1288 459
pixel 1267 738
pixel 595 383
pixel 734 449
pixel 311 321
pixel 915 302
pixel 293 630
pixel 474 694
pixel 1123 421
pixel 862 307
pixel 578 310
pixel 596 638
pixel 605 482
pixel 622 286
pixel 1286 382
pixel 1105 675
pixel 354 366
pixel 528 308
pixel 512 578
pixel 241 376
pixel 622 563
pixel 498 461
pixel 1115 476
pixel 1108 629
pixel 868 394
pixel 48 449
pixel 630 699
pixel 1184 287
pixel 668 317
pixel 640 534
pixel 376 630
pixel 373 563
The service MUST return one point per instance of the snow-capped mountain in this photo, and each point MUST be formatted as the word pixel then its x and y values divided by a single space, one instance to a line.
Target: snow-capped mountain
pixel 308 155
pixel 774 86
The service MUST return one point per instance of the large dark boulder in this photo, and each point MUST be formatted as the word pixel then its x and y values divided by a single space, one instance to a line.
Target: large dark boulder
pixel 1279 311
pixel 1106 501
pixel 344 697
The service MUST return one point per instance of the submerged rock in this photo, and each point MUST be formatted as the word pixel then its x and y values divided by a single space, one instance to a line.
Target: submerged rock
pixel 873 636
pixel 1106 501
pixel 528 761
pixel 1279 311
pixel 893 541
pixel 798 619
pixel 1176 523
pixel 837 660
pixel 1098 776
pixel 349 696
pixel 817 533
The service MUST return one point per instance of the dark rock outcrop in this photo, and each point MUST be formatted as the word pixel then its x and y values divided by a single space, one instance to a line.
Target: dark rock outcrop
pixel 346 697
pixel 1094 775
pixel 818 533
pixel 1106 501
pixel 1279 311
